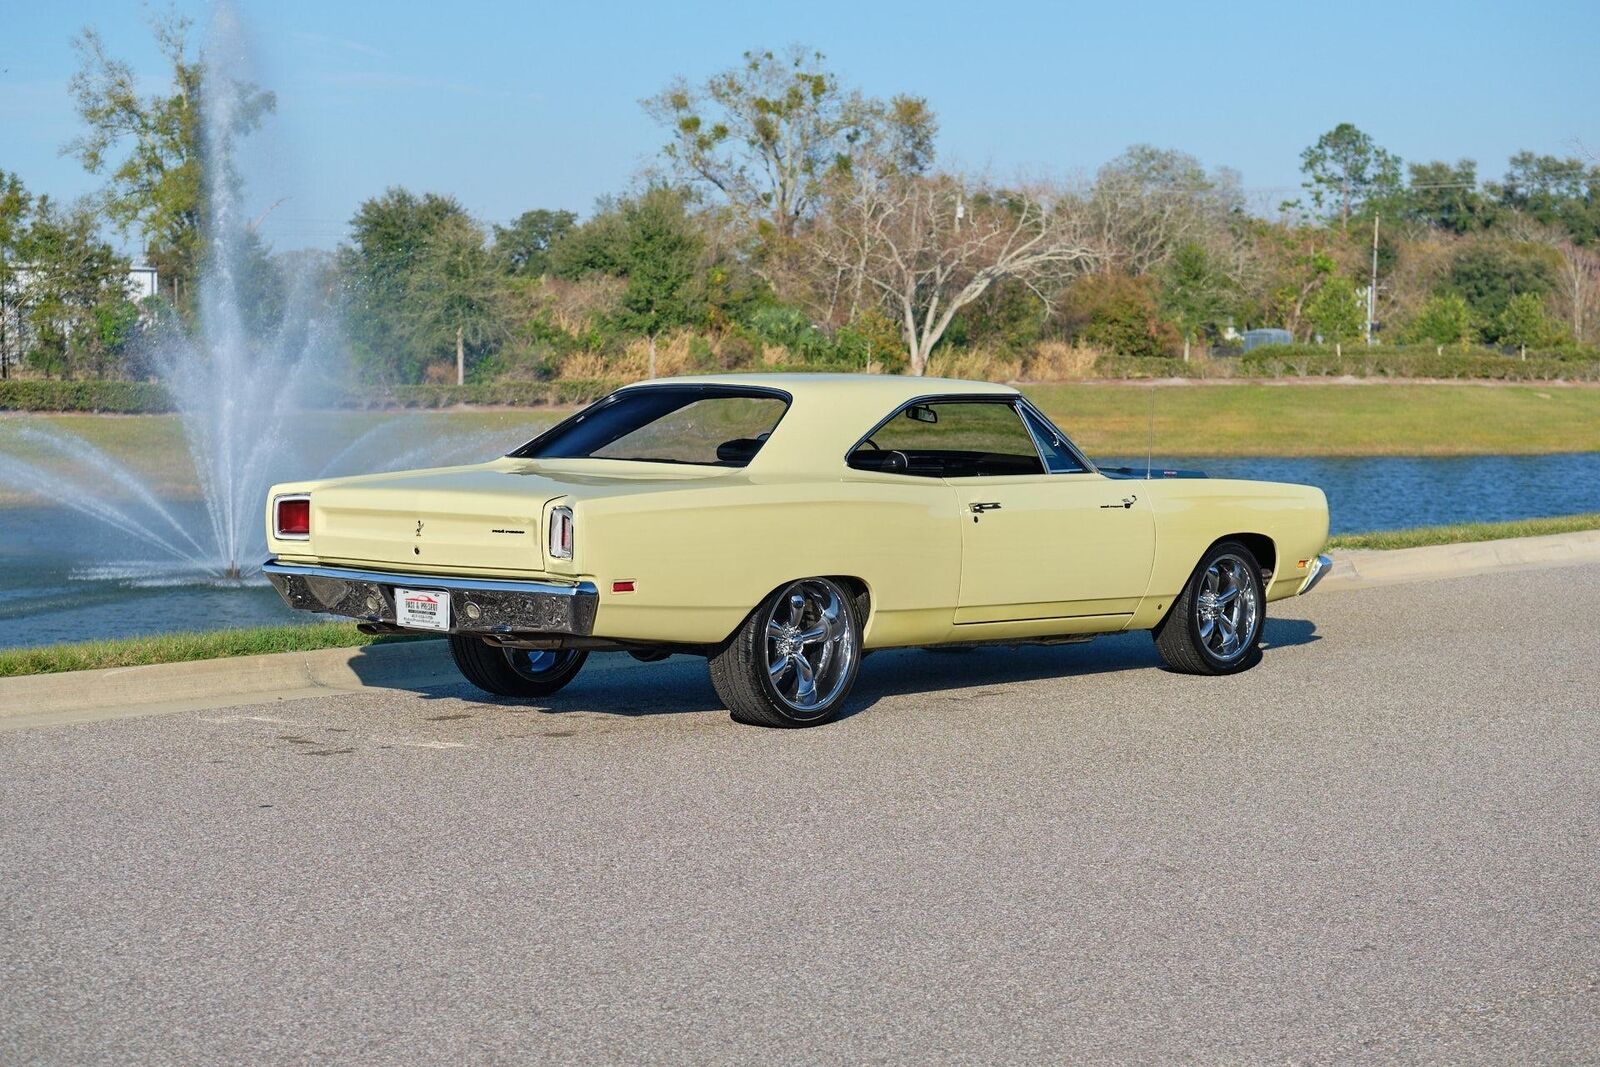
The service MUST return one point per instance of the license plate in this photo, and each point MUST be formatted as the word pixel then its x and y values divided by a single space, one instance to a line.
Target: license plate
pixel 422 609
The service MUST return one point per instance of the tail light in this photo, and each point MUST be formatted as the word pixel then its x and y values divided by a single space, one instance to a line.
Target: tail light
pixel 292 518
pixel 560 533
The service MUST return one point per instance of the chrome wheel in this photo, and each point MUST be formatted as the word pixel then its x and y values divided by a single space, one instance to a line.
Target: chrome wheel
pixel 1228 609
pixel 810 646
pixel 538 664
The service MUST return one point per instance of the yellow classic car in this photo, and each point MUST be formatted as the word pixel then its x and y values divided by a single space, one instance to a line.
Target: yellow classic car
pixel 784 525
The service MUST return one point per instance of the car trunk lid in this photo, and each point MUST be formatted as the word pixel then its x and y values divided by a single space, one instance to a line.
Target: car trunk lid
pixel 485 519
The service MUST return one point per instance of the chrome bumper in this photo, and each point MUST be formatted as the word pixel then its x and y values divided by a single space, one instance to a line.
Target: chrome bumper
pixel 1319 570
pixel 477 606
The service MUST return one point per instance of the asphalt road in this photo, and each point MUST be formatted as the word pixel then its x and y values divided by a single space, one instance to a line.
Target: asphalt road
pixel 1382 844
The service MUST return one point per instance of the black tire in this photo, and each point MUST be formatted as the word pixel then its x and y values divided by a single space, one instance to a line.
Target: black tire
pixel 740 667
pixel 1183 639
pixel 514 672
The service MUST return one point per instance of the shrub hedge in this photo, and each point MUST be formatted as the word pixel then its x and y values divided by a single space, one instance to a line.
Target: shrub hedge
pixel 149 398
pixel 123 398
pixel 1418 361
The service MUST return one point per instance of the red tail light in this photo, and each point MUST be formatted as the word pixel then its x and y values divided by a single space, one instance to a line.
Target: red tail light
pixel 293 517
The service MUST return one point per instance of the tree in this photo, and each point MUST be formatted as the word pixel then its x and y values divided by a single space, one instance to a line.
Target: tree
pixel 1195 293
pixel 1119 313
pixel 391 238
pixel 523 248
pixel 1490 274
pixel 1346 170
pixel 661 260
pixel 75 313
pixel 16 205
pixel 1524 323
pixel 1336 311
pixel 454 294
pixel 1446 196
pixel 1444 320
pixel 767 134
pixel 1580 284
pixel 1555 192
pixel 1149 201
pixel 930 246
pixel 157 188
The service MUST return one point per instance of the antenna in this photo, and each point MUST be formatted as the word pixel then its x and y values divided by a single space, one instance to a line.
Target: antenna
pixel 1150 453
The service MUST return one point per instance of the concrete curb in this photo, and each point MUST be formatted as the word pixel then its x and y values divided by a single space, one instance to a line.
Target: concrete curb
pixel 80 696
pixel 1370 568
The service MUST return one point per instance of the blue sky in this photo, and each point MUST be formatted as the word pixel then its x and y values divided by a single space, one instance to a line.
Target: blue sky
pixel 512 106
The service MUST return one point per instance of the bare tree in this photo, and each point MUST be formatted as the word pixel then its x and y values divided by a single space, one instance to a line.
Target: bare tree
pixel 1149 201
pixel 768 133
pixel 1580 288
pixel 930 246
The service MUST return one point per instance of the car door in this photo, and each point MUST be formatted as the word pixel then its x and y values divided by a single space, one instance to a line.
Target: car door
pixel 1052 546
pixel 1043 536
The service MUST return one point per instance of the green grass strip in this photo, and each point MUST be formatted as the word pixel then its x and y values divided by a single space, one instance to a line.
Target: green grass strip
pixel 1466 533
pixel 180 648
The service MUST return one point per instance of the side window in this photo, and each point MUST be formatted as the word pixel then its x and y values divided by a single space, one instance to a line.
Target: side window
pixel 1057 455
pixel 951 439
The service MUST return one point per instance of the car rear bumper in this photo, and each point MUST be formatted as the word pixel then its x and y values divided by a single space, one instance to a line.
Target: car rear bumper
pixel 477 605
pixel 1318 571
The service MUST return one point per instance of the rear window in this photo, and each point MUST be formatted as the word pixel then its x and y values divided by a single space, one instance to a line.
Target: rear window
pixel 712 426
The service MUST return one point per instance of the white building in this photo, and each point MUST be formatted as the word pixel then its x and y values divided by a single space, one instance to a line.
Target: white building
pixel 142 282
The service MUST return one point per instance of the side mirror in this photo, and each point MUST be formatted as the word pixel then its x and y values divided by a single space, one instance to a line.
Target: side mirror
pixel 921 413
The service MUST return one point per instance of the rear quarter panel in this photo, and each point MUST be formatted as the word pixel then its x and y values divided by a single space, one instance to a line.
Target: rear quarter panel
pixel 701 559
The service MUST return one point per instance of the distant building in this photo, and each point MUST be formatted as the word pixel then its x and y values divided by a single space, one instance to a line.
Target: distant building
pixel 142 282
pixel 1257 338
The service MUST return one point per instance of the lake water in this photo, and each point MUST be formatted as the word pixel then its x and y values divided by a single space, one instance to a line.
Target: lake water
pixel 50 591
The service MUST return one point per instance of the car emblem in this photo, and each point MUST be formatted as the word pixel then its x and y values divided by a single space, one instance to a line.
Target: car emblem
pixel 419 527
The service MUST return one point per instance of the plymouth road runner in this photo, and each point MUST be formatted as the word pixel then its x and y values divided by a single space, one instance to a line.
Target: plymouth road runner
pixel 785 525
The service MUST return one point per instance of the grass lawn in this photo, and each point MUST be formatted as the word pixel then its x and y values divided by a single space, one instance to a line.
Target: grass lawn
pixel 180 648
pixel 1466 532
pixel 1250 419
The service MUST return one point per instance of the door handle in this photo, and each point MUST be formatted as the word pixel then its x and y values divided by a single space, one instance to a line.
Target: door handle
pixel 989 505
pixel 1127 502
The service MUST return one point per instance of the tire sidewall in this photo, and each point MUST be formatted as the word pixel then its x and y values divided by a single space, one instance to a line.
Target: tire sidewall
pixel 1252 654
pixel 758 655
pixel 568 663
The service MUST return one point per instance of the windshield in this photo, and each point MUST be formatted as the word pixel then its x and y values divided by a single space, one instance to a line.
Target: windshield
pixel 707 425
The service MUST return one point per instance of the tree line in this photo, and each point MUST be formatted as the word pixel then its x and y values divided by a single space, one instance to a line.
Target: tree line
pixel 791 220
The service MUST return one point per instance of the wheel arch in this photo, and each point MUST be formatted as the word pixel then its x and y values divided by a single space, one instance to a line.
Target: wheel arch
pixel 1262 547
pixel 858 588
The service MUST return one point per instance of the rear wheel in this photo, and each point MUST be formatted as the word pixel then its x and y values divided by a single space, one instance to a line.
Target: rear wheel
pixel 794 659
pixel 1214 626
pixel 515 672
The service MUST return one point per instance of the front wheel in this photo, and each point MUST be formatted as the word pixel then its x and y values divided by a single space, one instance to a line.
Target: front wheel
pixel 1214 626
pixel 515 672
pixel 793 660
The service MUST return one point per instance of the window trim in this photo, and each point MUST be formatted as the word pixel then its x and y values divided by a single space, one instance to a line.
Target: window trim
pixel 1083 461
pixel 707 390
pixel 1016 401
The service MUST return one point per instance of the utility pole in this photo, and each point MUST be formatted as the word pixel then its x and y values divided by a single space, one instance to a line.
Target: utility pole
pixel 1372 287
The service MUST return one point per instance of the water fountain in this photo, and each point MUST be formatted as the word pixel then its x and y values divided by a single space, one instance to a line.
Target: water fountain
pixel 236 390
pixel 246 394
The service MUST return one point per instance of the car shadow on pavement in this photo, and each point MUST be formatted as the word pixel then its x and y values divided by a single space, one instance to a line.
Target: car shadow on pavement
pixel 680 685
